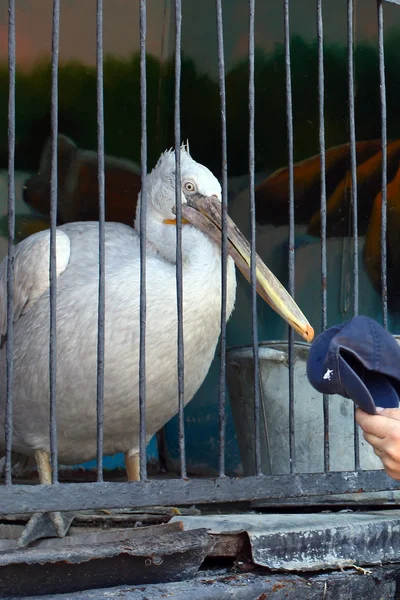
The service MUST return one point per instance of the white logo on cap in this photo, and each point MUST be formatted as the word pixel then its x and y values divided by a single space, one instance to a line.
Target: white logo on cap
pixel 328 374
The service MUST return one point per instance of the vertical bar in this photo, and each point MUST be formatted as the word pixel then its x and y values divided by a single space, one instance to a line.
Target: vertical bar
pixel 384 162
pixel 291 257
pixel 178 202
pixel 253 239
pixel 222 94
pixel 353 153
pixel 10 259
pixel 354 191
pixel 324 296
pixel 143 225
pixel 53 234
pixel 101 302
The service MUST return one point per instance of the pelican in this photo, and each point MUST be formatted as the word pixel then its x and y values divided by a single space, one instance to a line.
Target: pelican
pixel 77 314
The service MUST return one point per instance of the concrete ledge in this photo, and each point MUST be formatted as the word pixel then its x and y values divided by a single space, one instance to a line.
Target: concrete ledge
pixel 311 542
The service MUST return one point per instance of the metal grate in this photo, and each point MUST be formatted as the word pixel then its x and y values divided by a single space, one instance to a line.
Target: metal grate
pixel 25 499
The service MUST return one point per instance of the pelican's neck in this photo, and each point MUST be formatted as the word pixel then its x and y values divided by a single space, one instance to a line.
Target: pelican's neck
pixel 201 258
pixel 202 268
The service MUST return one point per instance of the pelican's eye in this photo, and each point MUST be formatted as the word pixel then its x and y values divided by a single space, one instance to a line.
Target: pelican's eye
pixel 189 186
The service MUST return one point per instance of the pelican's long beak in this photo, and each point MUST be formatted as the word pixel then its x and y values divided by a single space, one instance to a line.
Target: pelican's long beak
pixel 205 214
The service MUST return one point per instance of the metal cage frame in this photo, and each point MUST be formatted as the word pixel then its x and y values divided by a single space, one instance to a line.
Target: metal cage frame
pixel 15 498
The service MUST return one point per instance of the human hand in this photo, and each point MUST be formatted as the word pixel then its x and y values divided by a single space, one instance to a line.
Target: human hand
pixel 382 431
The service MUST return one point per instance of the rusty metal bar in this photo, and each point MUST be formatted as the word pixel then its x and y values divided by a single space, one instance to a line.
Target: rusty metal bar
pixel 178 202
pixel 53 237
pixel 224 250
pixel 381 46
pixel 253 239
pixel 353 151
pixel 143 223
pixel 324 292
pixel 291 256
pixel 102 288
pixel 354 197
pixel 8 425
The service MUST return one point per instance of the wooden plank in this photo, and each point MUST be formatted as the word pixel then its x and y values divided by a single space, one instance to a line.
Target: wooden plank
pixel 169 557
pixel 146 546
pixel 81 536
pixel 228 545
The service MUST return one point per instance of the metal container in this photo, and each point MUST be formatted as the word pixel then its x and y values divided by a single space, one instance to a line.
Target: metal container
pixel 274 414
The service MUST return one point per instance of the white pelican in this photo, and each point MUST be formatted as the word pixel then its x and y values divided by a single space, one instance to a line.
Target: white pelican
pixel 77 298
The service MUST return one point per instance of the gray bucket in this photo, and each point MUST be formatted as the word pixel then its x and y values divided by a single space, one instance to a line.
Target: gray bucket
pixel 274 414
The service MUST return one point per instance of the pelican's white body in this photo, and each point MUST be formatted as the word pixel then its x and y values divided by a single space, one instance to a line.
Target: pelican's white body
pixel 77 314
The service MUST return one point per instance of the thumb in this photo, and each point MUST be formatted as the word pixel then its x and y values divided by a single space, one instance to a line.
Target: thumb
pixel 390 413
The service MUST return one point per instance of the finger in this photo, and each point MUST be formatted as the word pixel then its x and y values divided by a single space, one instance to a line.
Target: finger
pixel 390 465
pixel 394 472
pixel 374 424
pixel 387 449
pixel 382 455
pixel 390 413
pixel 376 442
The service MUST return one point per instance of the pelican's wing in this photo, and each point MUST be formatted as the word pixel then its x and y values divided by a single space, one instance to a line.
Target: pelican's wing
pixel 31 273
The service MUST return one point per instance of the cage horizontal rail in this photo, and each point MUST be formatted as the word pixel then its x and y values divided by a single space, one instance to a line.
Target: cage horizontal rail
pixel 85 496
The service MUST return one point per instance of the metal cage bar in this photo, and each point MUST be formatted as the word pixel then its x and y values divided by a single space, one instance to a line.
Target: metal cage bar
pixel 53 238
pixel 224 240
pixel 143 222
pixel 354 196
pixel 178 201
pixel 8 425
pixel 353 151
pixel 382 79
pixel 253 240
pixel 291 254
pixel 102 287
pixel 324 275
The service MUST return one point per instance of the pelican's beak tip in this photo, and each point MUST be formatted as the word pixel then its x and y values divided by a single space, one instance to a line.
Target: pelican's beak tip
pixel 308 333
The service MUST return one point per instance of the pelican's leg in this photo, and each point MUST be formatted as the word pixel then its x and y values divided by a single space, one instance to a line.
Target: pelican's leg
pixel 51 524
pixel 132 465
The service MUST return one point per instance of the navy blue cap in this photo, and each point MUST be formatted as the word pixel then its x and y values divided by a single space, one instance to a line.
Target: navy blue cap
pixel 357 359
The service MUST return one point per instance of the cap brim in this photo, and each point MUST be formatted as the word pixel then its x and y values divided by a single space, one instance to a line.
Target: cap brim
pixel 350 377
pixel 370 391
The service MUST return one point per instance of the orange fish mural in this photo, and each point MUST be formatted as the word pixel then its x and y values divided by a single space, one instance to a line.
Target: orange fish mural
pixel 272 197
pixel 372 248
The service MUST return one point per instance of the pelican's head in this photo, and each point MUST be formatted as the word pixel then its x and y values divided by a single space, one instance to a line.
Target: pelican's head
pixel 201 209
pixel 160 185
